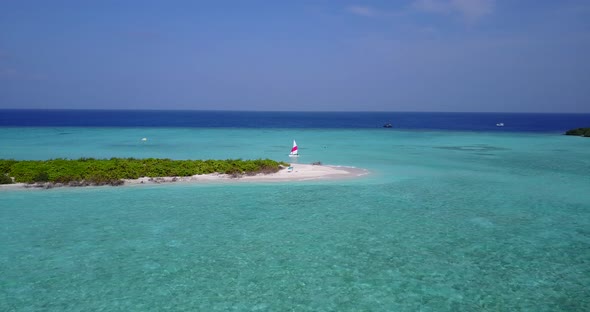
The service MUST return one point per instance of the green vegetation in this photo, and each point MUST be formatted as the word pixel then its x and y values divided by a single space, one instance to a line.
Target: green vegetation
pixel 585 132
pixel 4 179
pixel 90 171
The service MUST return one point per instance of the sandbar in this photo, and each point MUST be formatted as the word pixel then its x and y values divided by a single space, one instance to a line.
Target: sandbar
pixel 297 172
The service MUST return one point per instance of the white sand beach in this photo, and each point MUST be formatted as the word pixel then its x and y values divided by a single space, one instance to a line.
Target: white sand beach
pixel 297 172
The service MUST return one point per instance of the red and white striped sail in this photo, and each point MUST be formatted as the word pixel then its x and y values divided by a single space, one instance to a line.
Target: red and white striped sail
pixel 294 150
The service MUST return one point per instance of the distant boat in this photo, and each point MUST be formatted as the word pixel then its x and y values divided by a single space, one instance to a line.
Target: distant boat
pixel 294 150
pixel 388 125
pixel 144 139
pixel 500 124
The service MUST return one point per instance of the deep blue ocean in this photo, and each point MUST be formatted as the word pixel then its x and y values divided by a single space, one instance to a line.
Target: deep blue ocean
pixel 513 122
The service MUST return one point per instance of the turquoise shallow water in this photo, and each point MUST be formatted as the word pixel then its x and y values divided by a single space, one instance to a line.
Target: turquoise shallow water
pixel 447 221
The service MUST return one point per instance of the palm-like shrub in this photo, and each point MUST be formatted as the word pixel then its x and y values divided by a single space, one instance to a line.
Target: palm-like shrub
pixel 5 179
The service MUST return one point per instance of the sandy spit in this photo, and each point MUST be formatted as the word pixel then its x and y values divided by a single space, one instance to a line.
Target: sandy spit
pixel 297 172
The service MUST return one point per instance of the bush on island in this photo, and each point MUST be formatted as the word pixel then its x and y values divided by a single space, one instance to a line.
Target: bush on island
pixel 585 132
pixel 41 177
pixel 5 179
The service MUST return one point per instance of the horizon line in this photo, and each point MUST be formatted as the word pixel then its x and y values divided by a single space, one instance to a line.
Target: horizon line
pixel 283 111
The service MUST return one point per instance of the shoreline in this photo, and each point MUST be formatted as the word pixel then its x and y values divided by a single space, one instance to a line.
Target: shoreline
pixel 294 173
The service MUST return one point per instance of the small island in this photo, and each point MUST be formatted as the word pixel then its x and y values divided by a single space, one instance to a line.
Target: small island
pixel 114 171
pixel 585 132
pixel 16 174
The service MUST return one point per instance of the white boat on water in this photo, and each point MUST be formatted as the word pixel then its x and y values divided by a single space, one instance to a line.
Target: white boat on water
pixel 500 124
pixel 294 150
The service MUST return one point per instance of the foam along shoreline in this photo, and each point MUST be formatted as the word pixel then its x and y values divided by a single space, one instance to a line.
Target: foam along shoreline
pixel 297 172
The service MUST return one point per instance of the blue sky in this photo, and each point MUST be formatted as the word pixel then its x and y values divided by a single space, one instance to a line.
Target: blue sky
pixel 411 55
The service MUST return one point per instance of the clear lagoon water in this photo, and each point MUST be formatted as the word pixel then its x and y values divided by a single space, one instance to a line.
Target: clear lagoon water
pixel 447 220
